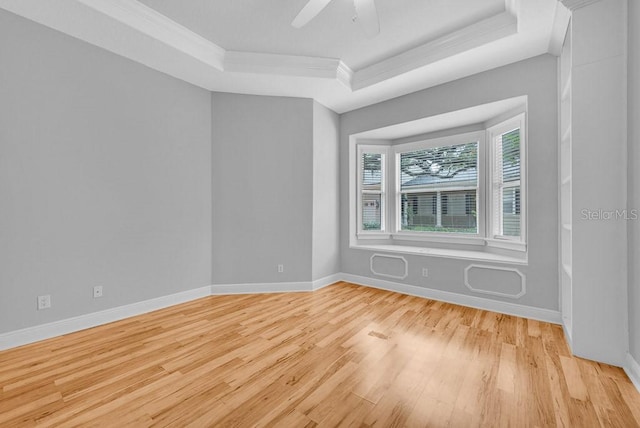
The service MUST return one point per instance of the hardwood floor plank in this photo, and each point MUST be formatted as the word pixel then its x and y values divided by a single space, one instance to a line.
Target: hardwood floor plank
pixel 344 355
pixel 396 405
pixel 294 419
pixel 627 392
pixel 27 409
pixel 350 413
pixel 430 413
pixel 533 367
pixel 191 408
pixel 508 369
pixel 573 377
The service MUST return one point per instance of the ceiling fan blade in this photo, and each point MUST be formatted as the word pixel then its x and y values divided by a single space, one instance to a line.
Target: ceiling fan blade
pixel 368 16
pixel 308 12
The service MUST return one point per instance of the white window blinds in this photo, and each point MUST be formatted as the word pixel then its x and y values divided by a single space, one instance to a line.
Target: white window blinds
pixel 507 185
pixel 372 191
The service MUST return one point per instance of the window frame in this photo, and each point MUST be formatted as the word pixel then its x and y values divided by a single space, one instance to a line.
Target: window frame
pixel 383 150
pixel 392 238
pixel 453 140
pixel 495 219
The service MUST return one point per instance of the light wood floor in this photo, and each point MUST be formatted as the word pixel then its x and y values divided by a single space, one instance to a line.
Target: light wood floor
pixel 341 356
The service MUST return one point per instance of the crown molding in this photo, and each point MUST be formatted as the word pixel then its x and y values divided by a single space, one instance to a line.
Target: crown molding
pixel 577 4
pixel 561 20
pixel 287 65
pixel 344 74
pixel 152 23
pixel 473 36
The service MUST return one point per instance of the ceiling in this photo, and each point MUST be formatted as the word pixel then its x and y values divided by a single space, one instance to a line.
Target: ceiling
pixel 249 46
pixel 258 26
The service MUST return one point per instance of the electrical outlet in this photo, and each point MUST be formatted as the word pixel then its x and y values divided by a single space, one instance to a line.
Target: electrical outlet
pixel 44 302
pixel 280 268
pixel 425 272
pixel 97 291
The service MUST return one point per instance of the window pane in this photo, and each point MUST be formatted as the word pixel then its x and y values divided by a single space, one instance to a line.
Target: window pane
pixel 460 215
pixel 511 156
pixel 456 212
pixel 428 178
pixel 440 167
pixel 508 176
pixel 470 203
pixel 419 211
pixel 371 171
pixel 511 211
pixel 371 211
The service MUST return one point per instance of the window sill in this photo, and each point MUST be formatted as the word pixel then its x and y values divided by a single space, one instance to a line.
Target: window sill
pixel 374 235
pixel 441 238
pixel 507 244
pixel 396 239
pixel 446 253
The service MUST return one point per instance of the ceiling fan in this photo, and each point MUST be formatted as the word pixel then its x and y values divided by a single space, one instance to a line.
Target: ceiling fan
pixel 366 14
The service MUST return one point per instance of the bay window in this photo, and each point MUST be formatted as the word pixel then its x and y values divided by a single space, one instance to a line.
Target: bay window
pixel 462 189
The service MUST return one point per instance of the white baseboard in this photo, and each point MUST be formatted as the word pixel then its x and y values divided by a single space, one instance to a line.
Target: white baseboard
pixel 326 281
pixel 260 288
pixel 82 322
pixel 275 287
pixel 508 308
pixel 36 333
pixel 632 369
pixel 70 325
pixel 567 336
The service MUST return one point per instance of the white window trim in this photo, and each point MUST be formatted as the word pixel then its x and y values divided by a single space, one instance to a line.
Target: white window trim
pixel 384 209
pixel 493 239
pixel 462 254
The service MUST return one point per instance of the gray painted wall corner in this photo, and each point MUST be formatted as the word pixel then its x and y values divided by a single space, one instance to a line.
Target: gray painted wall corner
pixel 326 191
pixel 262 188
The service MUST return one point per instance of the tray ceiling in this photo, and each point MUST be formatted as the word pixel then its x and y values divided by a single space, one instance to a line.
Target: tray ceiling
pixel 249 46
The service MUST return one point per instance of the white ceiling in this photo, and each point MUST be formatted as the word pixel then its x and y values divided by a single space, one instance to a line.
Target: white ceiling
pixel 249 46
pixel 258 26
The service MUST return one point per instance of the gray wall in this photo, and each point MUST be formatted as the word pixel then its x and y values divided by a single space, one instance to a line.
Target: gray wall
pixel 326 221
pixel 598 135
pixel 262 188
pixel 536 78
pixel 633 123
pixel 104 178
